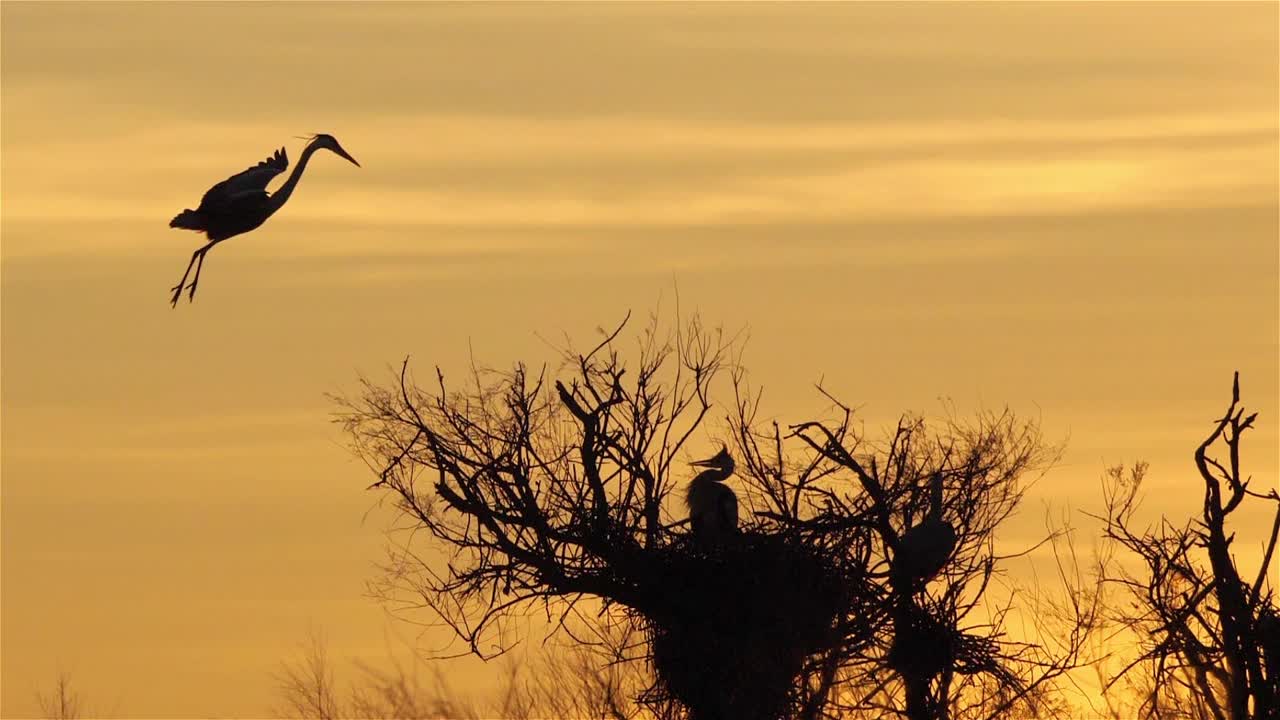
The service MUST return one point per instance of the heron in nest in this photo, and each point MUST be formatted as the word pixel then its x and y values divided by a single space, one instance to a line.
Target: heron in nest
pixel 924 549
pixel 241 203
pixel 713 507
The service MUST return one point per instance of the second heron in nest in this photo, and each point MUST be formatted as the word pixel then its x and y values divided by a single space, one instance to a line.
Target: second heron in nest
pixel 924 549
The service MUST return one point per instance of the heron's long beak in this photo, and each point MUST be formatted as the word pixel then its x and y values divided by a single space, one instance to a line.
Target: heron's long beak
pixel 344 154
pixel 701 463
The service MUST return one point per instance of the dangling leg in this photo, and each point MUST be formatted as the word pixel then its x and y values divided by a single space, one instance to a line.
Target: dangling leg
pixel 191 297
pixel 177 289
pixel 197 255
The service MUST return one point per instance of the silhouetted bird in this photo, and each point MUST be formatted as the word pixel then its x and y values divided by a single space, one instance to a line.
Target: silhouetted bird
pixel 924 549
pixel 713 508
pixel 241 203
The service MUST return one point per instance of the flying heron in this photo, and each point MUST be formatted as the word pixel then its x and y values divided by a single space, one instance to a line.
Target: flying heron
pixel 241 203
pixel 924 549
pixel 713 508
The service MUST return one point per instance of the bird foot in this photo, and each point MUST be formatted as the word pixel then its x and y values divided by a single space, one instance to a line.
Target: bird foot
pixel 177 292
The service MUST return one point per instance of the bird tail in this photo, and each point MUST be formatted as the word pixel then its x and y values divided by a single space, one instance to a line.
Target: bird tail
pixel 188 220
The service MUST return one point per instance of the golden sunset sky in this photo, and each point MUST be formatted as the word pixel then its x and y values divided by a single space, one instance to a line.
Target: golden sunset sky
pixel 1067 208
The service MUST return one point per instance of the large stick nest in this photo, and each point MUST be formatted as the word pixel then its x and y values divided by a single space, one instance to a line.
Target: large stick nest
pixel 732 625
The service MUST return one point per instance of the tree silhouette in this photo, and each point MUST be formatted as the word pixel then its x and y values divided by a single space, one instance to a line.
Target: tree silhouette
pixel 552 490
pixel 306 686
pixel 927 661
pixel 62 702
pixel 1207 633
pixel 566 683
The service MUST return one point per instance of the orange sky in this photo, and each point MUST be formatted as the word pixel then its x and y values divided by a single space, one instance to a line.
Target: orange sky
pixel 1071 209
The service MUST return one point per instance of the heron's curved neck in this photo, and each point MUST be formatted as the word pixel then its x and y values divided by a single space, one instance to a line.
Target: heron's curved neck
pixel 281 195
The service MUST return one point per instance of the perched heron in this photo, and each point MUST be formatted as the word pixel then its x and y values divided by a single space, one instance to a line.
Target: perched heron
pixel 924 549
pixel 713 508
pixel 241 203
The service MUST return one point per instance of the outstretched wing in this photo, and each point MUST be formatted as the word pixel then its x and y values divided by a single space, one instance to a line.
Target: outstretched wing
pixel 251 182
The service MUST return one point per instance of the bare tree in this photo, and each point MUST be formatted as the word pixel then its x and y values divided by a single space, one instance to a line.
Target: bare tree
pixel 1209 635
pixel 62 702
pixel 306 685
pixel 538 489
pixel 930 658
pixel 568 683
pixel 401 692
pixel 550 490
pixel 589 678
